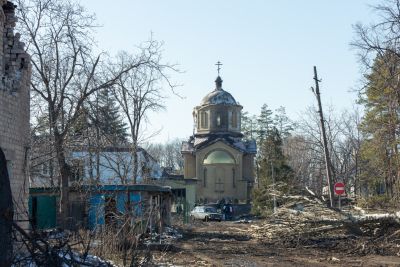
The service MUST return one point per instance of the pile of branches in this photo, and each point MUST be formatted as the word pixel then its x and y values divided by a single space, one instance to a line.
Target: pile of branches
pixel 306 221
pixel 53 248
pixel 126 239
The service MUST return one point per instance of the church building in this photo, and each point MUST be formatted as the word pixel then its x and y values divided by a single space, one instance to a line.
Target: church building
pixel 215 155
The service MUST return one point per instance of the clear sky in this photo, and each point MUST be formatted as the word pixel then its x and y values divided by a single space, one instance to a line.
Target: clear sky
pixel 268 50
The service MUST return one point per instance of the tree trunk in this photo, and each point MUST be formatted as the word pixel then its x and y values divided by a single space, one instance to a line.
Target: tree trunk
pixel 64 187
pixel 135 162
pixel 6 214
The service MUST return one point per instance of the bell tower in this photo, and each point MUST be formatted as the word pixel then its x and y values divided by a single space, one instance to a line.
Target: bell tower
pixel 218 112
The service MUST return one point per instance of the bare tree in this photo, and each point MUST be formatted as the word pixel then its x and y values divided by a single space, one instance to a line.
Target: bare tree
pixel 167 154
pixel 305 149
pixel 66 71
pixel 379 38
pixel 139 91
pixel 156 150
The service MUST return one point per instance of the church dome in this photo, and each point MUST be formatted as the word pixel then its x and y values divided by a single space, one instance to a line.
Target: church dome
pixel 218 96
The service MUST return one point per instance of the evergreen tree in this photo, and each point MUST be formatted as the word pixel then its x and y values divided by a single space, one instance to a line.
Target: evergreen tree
pixel 283 123
pixel 273 172
pixel 380 125
pixel 82 123
pixel 106 116
pixel 41 125
pixel 264 123
pixel 248 126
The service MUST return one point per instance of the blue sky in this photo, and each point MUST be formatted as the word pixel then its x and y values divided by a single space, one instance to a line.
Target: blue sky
pixel 268 49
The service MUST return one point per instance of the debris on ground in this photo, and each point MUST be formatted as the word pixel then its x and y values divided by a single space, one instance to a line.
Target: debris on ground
pixel 303 232
pixel 162 242
pixel 308 222
pixel 64 258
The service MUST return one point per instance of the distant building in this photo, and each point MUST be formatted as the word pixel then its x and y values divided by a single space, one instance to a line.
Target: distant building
pixel 216 156
pixel 115 166
pixel 100 181
pixel 183 191
pixel 110 165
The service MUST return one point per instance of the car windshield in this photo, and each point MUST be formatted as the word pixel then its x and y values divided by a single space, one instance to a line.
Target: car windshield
pixel 210 209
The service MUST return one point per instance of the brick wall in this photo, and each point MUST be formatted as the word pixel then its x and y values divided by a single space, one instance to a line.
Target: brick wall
pixel 15 70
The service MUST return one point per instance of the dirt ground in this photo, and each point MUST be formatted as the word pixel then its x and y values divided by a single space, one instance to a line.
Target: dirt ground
pixel 235 244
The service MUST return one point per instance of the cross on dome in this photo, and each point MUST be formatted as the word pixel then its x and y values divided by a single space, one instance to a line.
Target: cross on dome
pixel 218 81
pixel 219 64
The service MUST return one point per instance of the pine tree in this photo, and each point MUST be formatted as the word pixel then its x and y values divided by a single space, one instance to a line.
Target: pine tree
pixel 248 126
pixel 264 123
pixel 82 123
pixel 380 125
pixel 106 116
pixel 273 172
pixel 283 123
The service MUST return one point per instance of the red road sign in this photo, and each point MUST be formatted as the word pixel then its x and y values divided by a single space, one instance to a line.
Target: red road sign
pixel 339 188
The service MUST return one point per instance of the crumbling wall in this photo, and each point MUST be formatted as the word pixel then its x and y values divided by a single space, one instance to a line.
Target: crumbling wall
pixel 15 72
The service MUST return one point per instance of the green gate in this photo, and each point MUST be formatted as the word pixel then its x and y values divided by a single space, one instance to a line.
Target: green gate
pixel 42 211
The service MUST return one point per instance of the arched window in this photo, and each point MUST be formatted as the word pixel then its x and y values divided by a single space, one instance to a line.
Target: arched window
pixel 205 178
pixel 234 119
pixel 218 120
pixel 204 119
pixel 218 157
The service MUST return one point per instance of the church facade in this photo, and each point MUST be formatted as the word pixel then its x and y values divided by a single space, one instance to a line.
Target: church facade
pixel 216 156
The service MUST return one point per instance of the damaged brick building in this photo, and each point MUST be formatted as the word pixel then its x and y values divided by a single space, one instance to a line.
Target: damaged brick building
pixel 15 72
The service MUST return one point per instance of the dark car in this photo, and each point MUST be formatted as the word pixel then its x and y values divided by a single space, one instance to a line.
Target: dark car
pixel 205 213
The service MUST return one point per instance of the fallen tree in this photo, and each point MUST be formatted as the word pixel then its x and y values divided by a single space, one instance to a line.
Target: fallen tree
pixel 306 221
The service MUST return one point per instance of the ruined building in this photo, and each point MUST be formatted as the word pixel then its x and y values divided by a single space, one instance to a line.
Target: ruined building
pixel 15 70
pixel 216 156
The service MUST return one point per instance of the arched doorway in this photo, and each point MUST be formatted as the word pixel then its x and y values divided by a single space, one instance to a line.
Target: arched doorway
pixel 6 212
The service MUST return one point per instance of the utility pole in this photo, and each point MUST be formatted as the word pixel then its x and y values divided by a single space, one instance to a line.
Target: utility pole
pixel 325 142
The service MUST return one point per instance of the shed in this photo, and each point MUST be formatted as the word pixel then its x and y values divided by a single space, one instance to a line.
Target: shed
pixel 94 206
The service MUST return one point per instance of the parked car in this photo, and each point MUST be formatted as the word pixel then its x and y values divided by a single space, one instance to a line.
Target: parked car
pixel 205 213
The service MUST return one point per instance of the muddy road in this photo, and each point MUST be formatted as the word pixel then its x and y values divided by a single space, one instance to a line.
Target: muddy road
pixel 234 244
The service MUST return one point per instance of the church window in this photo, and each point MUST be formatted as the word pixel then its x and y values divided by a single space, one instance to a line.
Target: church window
pixel 218 120
pixel 218 157
pixel 204 119
pixel 234 119
pixel 205 178
pixel 219 185
pixel 233 178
